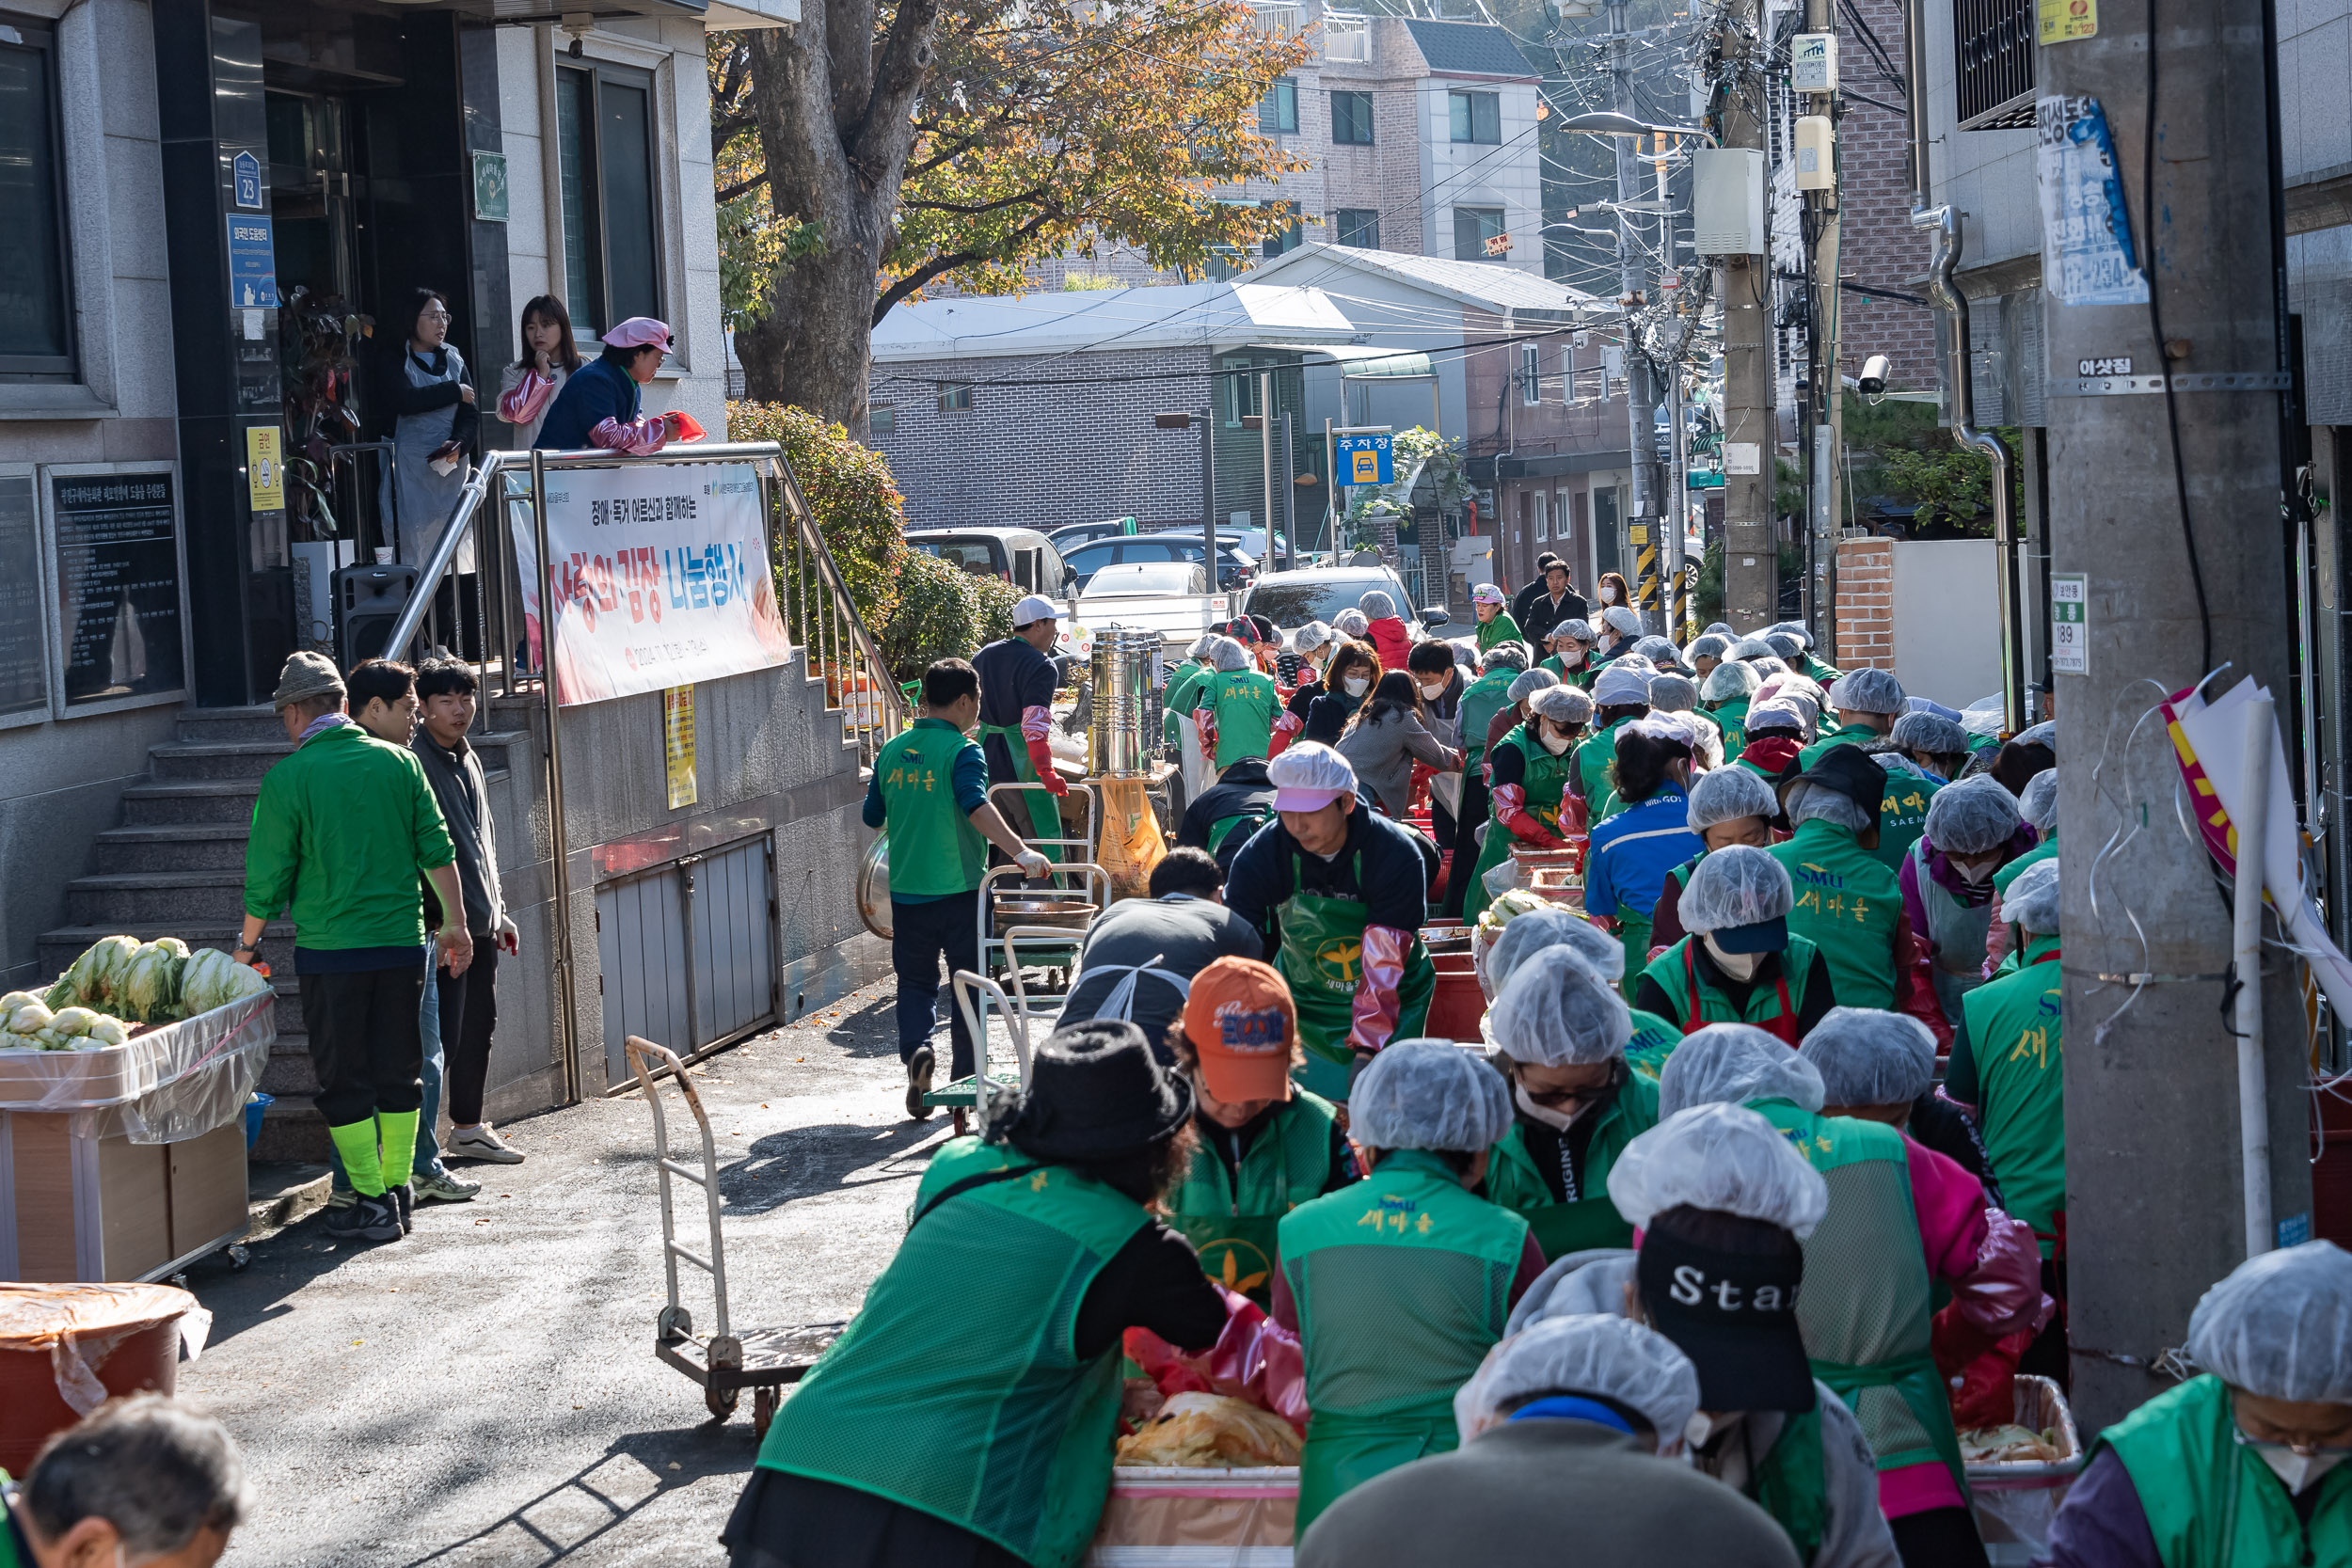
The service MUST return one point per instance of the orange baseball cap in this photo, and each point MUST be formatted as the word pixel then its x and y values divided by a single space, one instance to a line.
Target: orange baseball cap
pixel 1241 1021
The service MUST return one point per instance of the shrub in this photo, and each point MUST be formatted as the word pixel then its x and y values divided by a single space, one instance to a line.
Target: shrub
pixel 849 490
pixel 944 612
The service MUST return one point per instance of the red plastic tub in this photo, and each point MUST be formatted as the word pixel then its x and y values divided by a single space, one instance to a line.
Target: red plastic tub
pixel 127 1335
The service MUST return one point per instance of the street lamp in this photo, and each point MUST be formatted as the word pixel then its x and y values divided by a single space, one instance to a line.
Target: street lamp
pixel 1608 123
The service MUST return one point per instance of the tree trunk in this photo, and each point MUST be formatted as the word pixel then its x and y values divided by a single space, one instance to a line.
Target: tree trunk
pixel 832 102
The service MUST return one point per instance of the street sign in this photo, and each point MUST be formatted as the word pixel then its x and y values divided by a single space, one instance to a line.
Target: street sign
pixel 245 169
pixel 1367 459
pixel 1498 244
pixel 1705 479
pixel 2069 624
pixel 252 263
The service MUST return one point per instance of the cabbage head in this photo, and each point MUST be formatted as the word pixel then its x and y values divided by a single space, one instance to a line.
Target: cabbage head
pixel 149 989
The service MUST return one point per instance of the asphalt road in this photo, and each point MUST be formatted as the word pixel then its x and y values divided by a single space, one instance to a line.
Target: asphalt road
pixel 483 1391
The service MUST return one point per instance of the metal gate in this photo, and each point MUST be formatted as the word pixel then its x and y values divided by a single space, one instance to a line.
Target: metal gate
pixel 688 951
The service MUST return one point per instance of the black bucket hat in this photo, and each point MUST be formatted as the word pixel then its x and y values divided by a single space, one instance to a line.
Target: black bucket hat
pixel 1096 1092
pixel 1852 773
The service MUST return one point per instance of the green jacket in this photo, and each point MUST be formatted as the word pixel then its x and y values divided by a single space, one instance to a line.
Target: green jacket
pixel 1501 629
pixel 1845 735
pixel 1481 701
pixel 1848 905
pixel 2210 1500
pixel 1593 761
pixel 1589 1219
pixel 342 827
pixel 2017 1044
pixel 1902 817
pixel 1176 697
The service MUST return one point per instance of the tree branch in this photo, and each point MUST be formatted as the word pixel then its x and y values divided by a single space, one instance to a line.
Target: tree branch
pixel 742 187
pixel 939 266
pixel 1037 194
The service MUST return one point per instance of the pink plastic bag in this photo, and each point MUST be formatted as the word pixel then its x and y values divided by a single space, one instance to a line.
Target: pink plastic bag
pixel 2002 1295
pixel 1255 1358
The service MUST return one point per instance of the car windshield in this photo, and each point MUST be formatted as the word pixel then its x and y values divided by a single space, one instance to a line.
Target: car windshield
pixel 973 556
pixel 1291 603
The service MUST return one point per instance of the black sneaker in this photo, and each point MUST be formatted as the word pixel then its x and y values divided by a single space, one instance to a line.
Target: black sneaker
pixel 403 1198
pixel 368 1219
pixel 919 1070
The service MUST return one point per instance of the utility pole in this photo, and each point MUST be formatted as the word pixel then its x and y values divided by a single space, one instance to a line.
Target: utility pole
pixel 1633 284
pixel 2191 424
pixel 1751 553
pixel 1828 439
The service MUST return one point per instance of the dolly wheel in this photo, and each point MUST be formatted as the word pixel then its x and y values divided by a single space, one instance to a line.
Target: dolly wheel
pixel 764 1404
pixel 961 1119
pixel 722 1401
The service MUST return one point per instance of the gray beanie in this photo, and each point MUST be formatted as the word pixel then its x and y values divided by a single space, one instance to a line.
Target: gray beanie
pixel 307 675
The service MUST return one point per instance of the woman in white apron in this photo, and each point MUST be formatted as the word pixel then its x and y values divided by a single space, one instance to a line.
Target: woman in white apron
pixel 425 398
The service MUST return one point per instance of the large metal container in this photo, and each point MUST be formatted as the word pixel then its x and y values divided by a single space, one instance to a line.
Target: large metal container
pixel 1125 730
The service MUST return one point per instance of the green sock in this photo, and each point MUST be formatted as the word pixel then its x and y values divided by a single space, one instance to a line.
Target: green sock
pixel 355 1142
pixel 399 1130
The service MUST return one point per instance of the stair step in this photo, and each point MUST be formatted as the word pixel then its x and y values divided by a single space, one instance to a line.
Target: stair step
pixel 256 722
pixel 153 896
pixel 218 759
pixel 171 846
pixel 59 947
pixel 164 803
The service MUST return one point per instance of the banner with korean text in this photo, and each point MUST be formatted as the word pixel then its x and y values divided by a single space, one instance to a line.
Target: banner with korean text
pixel 660 577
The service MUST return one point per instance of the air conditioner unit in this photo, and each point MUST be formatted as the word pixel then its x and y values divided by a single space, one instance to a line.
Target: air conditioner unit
pixel 1728 201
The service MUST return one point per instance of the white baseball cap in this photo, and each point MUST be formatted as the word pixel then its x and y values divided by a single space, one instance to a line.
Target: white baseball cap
pixel 1032 609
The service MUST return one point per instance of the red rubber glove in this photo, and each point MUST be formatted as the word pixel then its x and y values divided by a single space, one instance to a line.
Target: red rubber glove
pixel 1510 802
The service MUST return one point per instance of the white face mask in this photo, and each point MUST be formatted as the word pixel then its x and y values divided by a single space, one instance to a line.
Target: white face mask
pixel 1553 742
pixel 1976 871
pixel 1703 1426
pixel 1432 692
pixel 1608 595
pixel 1559 1122
pixel 1357 685
pixel 2298 1470
pixel 1739 966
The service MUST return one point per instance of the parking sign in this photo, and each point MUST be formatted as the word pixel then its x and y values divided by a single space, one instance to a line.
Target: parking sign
pixel 1367 459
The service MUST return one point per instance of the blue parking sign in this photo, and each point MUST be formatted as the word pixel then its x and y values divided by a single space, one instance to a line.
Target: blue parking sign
pixel 1367 459
pixel 252 263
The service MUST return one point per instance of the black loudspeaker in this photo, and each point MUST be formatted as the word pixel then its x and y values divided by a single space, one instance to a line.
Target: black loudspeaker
pixel 368 600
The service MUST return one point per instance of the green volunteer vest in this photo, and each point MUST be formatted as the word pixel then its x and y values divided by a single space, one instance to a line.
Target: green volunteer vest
pixel 1545 781
pixel 9 1556
pixel 1673 973
pixel 1225 826
pixel 934 850
pixel 2014 1027
pixel 1594 760
pixel 1821 674
pixel 1793 1482
pixel 1847 905
pixel 1175 698
pixel 1322 959
pixel 1591 1219
pixel 1402 1283
pixel 1231 1218
pixel 1501 629
pixel 1732 714
pixel 1845 735
pixel 956 1390
pixel 1654 1040
pixel 1865 1310
pixel 1481 701
pixel 1902 817
pixel 2211 1502
pixel 1244 704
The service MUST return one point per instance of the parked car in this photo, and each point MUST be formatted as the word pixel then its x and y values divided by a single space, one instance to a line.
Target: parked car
pixel 1023 556
pixel 1071 536
pixel 1290 599
pixel 1235 567
pixel 1171 597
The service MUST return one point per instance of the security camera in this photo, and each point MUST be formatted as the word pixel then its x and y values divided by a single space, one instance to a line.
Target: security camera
pixel 1871 383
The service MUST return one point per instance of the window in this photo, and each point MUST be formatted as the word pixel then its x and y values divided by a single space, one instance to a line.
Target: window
pixel 955 397
pixel 1543 518
pixel 1351 119
pixel 1567 374
pixel 604 118
pixel 883 418
pixel 1346 38
pixel 1289 237
pixel 1472 227
pixel 1238 377
pixel 1277 111
pixel 1476 117
pixel 1531 393
pixel 1357 225
pixel 36 312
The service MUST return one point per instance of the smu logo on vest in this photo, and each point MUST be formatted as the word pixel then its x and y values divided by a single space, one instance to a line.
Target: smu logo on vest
pixel 1338 963
pixel 1234 1264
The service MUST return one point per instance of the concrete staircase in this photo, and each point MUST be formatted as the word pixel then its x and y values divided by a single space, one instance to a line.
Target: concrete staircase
pixel 176 867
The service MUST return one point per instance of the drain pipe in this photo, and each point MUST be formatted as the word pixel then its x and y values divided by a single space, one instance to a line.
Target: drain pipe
pixel 1947 299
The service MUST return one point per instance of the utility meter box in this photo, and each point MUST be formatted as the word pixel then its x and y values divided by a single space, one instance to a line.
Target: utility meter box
pixel 1728 201
pixel 1813 62
pixel 1816 153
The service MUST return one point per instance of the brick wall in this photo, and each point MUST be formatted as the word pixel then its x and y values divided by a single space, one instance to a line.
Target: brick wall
pixel 1865 604
pixel 1877 244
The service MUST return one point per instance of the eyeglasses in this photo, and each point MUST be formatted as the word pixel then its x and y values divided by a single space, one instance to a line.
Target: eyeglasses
pixel 434 316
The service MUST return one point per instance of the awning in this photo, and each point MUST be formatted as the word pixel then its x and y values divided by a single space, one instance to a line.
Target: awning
pixel 1358 362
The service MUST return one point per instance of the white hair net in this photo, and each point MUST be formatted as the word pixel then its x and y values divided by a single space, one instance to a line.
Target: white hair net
pixel 1675 729
pixel 1971 817
pixel 1775 714
pixel 1728 794
pixel 1710 646
pixel 1593 1280
pixel 1614 1358
pixel 1768 665
pixel 1561 704
pixel 1721 629
pixel 1797 629
pixel 1528 682
pixel 1313 635
pixel 1736 885
pixel 2043 734
pixel 1811 801
pixel 1507 655
pixel 1868 692
pixel 1723 1157
pixel 1621 687
pixel 1311 765
pixel 2032 898
pixel 2039 805
pixel 1870 1058
pixel 1785 644
pixel 1926 732
pixel 1427 1094
pixel 2280 1326
pixel 1353 621
pixel 1377 606
pixel 1630 660
pixel 1674 693
pixel 1202 646
pixel 1659 650
pixel 1555 1011
pixel 1790 686
pixel 1230 656
pixel 1621 620
pixel 1529 934
pixel 1730 1064
pixel 1730 679
pixel 1751 648
pixel 1580 630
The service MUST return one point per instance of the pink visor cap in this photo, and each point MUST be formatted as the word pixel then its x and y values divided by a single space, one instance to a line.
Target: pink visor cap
pixel 1304 800
pixel 639 332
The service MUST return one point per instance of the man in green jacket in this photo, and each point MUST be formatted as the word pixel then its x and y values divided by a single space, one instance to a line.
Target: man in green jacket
pixel 1866 703
pixel 1848 904
pixel 341 830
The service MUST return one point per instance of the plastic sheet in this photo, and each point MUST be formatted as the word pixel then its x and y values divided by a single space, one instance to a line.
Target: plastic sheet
pixel 78 1327
pixel 1198 1517
pixel 2015 1503
pixel 167 1084
pixel 1255 1358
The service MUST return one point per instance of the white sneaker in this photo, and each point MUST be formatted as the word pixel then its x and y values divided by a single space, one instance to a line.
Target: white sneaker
pixel 480 1143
